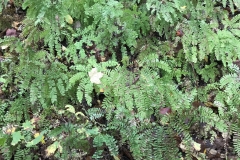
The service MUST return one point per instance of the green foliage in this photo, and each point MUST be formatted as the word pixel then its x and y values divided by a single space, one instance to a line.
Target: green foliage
pixel 3 4
pixel 140 65
pixel 109 141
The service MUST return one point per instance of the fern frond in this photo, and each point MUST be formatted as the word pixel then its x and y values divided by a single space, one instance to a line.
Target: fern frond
pixel 109 141
pixel 236 138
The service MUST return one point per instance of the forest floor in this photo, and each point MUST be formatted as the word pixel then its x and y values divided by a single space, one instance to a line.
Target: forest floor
pixel 11 25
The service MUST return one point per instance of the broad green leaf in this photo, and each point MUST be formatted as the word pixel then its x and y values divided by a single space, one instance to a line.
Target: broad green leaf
pixel 27 125
pixel 17 136
pixel 56 131
pixel 2 141
pixel 38 138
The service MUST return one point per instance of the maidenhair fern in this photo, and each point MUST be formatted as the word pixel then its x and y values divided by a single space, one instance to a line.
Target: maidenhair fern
pixel 95 113
pixel 236 139
pixel 109 141
pixel 154 55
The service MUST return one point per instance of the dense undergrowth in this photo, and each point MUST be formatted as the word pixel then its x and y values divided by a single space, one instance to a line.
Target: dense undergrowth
pixel 107 79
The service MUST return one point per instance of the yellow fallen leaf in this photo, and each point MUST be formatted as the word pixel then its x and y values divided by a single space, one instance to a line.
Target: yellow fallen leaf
pixel 37 134
pixel 10 130
pixel 51 149
pixel 116 157
pixel 80 113
pixel 183 7
pixel 70 108
pixel 69 19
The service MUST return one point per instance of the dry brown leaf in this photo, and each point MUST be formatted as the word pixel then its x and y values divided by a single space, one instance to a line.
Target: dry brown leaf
pixel 15 24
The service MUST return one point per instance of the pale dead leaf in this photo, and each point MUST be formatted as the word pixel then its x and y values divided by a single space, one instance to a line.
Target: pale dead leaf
pixel 64 48
pixel 225 135
pixel 101 90
pixel 182 146
pixel 196 146
pixel 15 24
pixel 95 76
pixel 5 46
